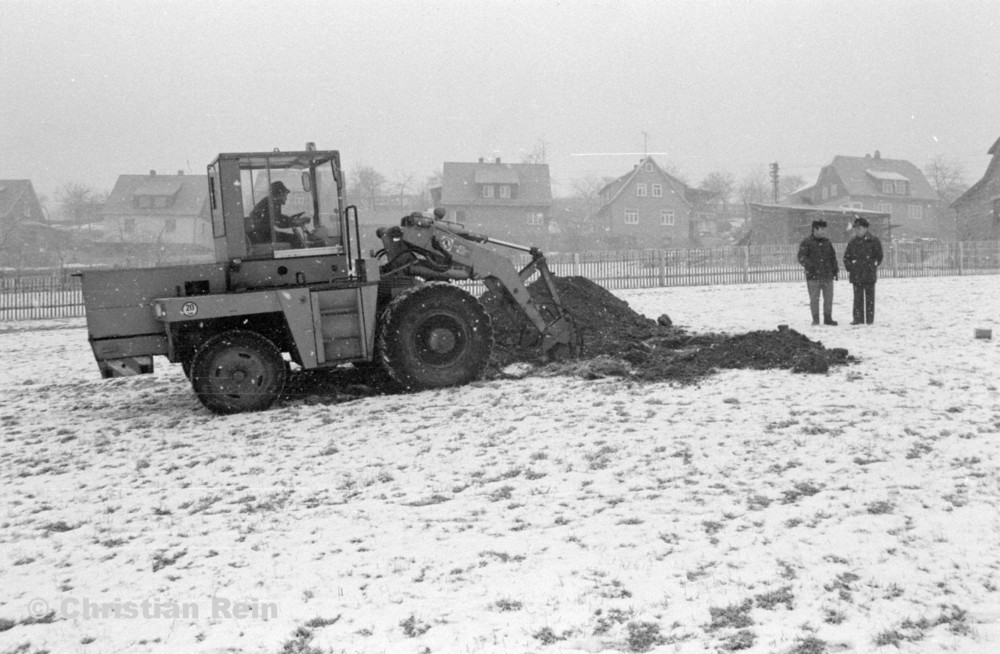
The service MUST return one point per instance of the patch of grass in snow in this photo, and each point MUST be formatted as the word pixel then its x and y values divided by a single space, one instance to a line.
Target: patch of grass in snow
pixel 800 490
pixel 547 636
pixel 742 639
pixel 505 605
pixel 604 622
pixel 880 507
pixel 643 636
pixel 299 643
pixel 809 645
pixel 734 616
pixel 414 628
pixel 773 598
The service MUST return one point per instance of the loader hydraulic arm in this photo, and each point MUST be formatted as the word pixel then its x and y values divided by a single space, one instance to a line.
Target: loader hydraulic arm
pixel 438 250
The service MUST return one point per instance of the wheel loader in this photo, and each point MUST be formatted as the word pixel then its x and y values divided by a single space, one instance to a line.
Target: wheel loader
pixel 307 295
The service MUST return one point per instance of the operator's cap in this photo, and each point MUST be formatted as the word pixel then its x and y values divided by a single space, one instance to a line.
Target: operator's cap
pixel 278 187
pixel 860 222
pixel 819 223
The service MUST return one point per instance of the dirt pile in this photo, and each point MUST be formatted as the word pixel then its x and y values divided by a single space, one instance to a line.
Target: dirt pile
pixel 613 333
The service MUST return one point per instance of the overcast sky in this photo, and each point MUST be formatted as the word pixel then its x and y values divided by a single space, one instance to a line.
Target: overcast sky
pixel 94 89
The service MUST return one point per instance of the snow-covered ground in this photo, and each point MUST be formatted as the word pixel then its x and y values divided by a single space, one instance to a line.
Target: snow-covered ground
pixel 761 511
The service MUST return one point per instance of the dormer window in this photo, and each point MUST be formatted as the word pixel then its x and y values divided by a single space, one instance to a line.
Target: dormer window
pixel 900 187
pixel 887 186
pixel 488 190
pixel 156 195
pixel 505 191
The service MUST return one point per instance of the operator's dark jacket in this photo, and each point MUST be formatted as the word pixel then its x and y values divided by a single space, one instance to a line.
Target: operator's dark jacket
pixel 862 258
pixel 817 256
pixel 258 223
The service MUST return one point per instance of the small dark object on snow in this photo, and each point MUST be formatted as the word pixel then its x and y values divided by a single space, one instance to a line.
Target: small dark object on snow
pixel 664 321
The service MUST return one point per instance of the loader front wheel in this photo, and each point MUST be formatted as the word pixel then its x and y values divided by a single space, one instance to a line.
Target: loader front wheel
pixel 435 335
pixel 238 371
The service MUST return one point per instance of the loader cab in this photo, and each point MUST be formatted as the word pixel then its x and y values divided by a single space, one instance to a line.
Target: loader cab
pixel 248 207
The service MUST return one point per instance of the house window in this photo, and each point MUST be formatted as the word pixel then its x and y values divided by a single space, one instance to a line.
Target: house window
pixel 667 218
pixel 487 190
pixel 631 217
pixel 536 218
pixel 900 188
pixel 504 191
pixel 884 207
pixel 657 190
pixel 170 225
pixel 128 225
pixel 886 186
pixel 640 190
pixel 915 212
pixel 649 166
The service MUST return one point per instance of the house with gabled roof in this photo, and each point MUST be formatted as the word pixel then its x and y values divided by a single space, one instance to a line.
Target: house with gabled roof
pixel 18 202
pixel 978 209
pixel 158 209
pixel 650 208
pixel 510 202
pixel 23 228
pixel 873 183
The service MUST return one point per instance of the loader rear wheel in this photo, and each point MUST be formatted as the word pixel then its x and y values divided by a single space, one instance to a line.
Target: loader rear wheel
pixel 238 371
pixel 435 335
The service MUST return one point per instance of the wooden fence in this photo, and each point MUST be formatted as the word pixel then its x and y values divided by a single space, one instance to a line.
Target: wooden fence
pixel 56 295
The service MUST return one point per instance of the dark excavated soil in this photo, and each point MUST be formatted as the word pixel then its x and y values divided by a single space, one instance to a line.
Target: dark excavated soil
pixel 620 341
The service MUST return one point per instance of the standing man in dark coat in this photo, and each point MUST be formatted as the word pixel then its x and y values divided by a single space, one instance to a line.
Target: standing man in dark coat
pixel 862 258
pixel 817 256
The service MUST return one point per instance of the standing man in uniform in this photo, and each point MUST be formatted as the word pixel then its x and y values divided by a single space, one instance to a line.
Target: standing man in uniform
pixel 862 258
pixel 817 256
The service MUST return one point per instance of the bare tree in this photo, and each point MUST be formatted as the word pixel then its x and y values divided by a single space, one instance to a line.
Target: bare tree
pixel 753 187
pixel 368 184
pixel 401 183
pixel 788 184
pixel 536 155
pixel 76 201
pixel 948 181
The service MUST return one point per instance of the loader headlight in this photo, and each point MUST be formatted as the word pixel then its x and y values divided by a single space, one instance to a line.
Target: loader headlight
pixel 158 310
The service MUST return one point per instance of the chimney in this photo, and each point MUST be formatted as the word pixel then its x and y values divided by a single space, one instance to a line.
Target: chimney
pixel 180 172
pixel 152 173
pixel 878 155
pixel 480 160
pixel 498 159
pixel 310 146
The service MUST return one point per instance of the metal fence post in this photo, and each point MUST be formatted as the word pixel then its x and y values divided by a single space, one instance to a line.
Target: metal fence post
pixel 662 257
pixel 961 258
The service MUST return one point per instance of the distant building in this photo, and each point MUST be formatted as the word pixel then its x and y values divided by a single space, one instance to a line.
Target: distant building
pixel 649 208
pixel 24 233
pixel 18 202
pixel 782 224
pixel 978 209
pixel 506 201
pixel 891 186
pixel 158 209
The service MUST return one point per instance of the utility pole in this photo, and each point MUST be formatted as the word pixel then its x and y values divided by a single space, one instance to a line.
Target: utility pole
pixel 774 180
